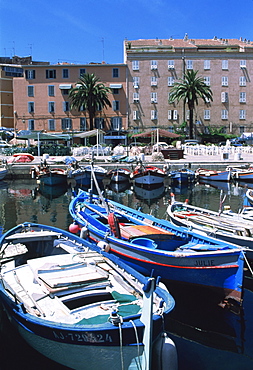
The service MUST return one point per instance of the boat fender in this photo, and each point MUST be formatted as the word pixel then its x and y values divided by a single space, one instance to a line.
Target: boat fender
pixel 114 224
pixel 34 171
pixel 84 232
pixel 105 247
pixel 164 353
pixel 74 228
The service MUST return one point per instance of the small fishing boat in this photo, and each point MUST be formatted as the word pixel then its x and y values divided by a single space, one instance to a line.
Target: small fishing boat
pixel 148 175
pixel 49 176
pixel 82 174
pixel 119 174
pixel 210 175
pixel 183 175
pixel 151 244
pixel 21 158
pixel 79 306
pixel 241 173
pixel 228 226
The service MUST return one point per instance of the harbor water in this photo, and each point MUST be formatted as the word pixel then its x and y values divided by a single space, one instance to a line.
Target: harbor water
pixel 206 336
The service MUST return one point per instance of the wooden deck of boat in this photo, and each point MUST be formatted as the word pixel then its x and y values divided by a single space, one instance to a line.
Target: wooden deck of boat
pixel 132 231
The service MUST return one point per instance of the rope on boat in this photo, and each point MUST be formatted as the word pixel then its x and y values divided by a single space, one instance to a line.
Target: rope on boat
pixel 138 343
pixel 121 346
pixel 248 264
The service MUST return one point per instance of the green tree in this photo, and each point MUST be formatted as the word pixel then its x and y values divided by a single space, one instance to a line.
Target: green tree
pixel 189 89
pixel 90 94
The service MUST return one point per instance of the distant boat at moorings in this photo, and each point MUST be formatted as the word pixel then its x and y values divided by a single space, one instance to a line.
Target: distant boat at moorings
pixel 3 172
pixel 49 176
pixel 241 173
pixel 183 175
pixel 227 226
pixel 82 174
pixel 148 175
pixel 119 174
pixel 79 306
pixel 151 244
pixel 212 175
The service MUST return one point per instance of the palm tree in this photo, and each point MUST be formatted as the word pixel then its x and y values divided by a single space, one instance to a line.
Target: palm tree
pixel 189 89
pixel 90 94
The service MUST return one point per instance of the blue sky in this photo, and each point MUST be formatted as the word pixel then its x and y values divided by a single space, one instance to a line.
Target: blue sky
pixel 83 31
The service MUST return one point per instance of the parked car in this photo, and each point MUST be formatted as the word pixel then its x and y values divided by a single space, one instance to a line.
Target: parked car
pixel 4 144
pixel 160 145
pixel 135 144
pixel 191 142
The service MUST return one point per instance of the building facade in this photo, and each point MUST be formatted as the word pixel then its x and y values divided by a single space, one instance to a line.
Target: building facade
pixel 41 98
pixel 155 65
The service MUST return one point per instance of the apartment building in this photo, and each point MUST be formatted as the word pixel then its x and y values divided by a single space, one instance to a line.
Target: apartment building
pixel 41 98
pixel 155 65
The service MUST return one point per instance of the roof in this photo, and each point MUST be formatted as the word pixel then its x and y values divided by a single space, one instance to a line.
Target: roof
pixel 89 133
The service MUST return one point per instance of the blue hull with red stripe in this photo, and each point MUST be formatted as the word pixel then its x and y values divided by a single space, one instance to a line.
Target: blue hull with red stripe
pixel 152 245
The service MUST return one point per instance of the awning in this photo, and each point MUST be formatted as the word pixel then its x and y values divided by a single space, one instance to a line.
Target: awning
pixel 161 133
pixel 43 136
pixel 115 137
pixel 89 133
pixel 65 86
pixel 116 86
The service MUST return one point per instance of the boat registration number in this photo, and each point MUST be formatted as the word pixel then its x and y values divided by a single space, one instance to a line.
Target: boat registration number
pixel 204 263
pixel 83 337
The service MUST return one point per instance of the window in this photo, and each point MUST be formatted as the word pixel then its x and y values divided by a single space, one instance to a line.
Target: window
pixel 136 115
pixel 171 81
pixel 136 81
pixel 242 81
pixel 224 114
pixel 207 80
pixel 30 74
pixel 224 81
pixel 172 115
pixel 31 124
pixel 207 114
pixel 83 124
pixel 135 97
pixel 242 114
pixel 51 106
pixel 243 63
pixel 153 81
pixel 206 64
pixel 51 125
pixel 99 123
pixel 115 91
pixel 153 97
pixel 224 97
pixel 50 73
pixel 242 97
pixel 224 64
pixel 115 72
pixel 65 91
pixel 115 105
pixel 30 90
pixel 50 89
pixel 153 65
pixel 116 123
pixel 135 65
pixel 189 64
pixel 154 114
pixel 13 71
pixel 66 124
pixel 65 106
pixel 65 73
pixel 31 107
pixel 171 64
pixel 241 129
pixel 82 71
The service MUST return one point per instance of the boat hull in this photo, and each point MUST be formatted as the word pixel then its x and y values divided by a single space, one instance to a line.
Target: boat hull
pixel 213 175
pixel 52 179
pixel 182 176
pixel 148 178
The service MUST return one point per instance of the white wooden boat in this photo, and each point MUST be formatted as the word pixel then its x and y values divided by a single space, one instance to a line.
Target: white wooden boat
pixel 80 307
pixel 148 175
pixel 229 226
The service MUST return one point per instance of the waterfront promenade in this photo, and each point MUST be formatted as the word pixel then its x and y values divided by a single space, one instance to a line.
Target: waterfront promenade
pixel 192 160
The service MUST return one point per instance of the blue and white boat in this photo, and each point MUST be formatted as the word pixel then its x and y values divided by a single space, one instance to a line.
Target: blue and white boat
pixel 151 244
pixel 212 175
pixel 82 174
pixel 184 175
pixel 79 306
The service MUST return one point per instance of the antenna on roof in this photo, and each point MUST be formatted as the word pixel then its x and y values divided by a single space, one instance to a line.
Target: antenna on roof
pixel 103 49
